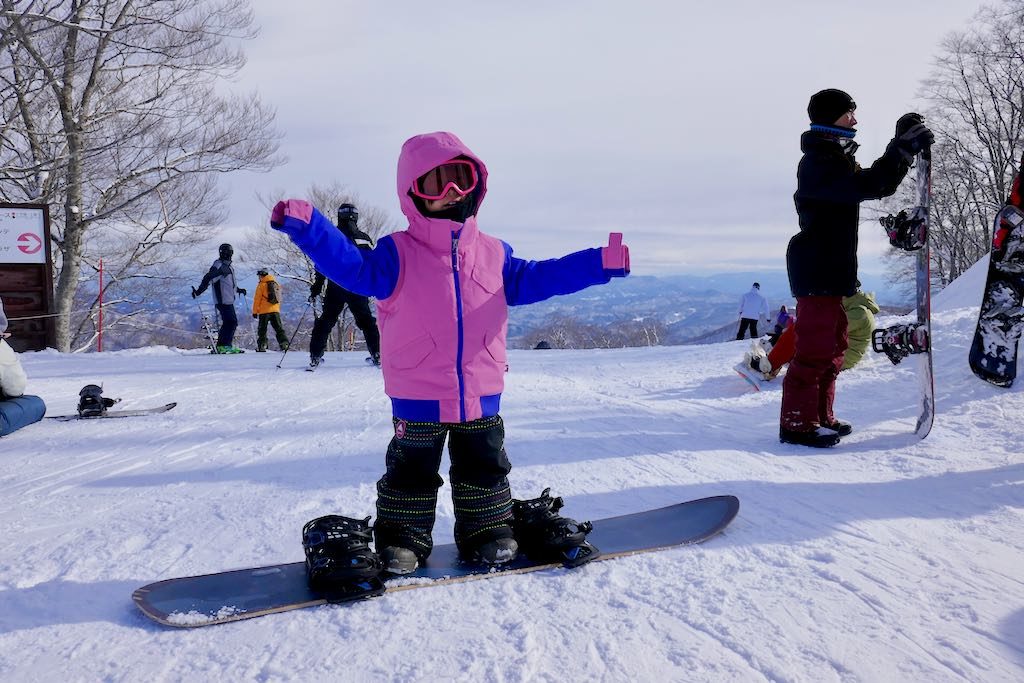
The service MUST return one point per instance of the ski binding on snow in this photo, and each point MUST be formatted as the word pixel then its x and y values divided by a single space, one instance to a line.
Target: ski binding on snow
pixel 899 341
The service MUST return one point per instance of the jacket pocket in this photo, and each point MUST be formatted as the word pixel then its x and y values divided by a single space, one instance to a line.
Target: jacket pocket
pixel 411 354
pixel 497 350
pixel 488 278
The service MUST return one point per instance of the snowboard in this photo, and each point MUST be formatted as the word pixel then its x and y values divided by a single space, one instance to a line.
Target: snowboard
pixel 115 413
pixel 993 354
pixel 909 231
pixel 747 373
pixel 246 593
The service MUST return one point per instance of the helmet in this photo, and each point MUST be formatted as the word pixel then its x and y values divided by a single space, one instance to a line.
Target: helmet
pixel 348 212
pixel 226 251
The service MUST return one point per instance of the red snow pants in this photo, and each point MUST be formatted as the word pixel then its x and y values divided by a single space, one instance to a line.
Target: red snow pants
pixel 809 386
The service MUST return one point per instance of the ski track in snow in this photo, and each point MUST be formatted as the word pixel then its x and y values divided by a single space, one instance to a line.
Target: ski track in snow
pixel 884 559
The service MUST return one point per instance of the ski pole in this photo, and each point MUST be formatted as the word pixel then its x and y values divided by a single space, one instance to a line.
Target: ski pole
pixel 297 328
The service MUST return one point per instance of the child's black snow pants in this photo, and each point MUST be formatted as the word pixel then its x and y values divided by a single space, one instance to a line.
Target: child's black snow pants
pixel 407 493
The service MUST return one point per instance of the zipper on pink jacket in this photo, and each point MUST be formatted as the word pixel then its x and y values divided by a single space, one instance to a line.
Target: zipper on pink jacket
pixel 458 322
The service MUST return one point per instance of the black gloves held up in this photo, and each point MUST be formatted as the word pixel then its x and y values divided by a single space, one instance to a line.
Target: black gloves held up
pixel 912 136
pixel 240 291
pixel 908 121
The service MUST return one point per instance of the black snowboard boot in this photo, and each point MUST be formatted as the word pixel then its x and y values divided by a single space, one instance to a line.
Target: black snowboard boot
pixel 543 534
pixel 338 553
pixel 91 402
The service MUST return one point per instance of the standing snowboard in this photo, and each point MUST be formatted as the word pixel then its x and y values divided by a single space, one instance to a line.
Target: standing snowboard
pixel 909 231
pixel 246 593
pixel 993 355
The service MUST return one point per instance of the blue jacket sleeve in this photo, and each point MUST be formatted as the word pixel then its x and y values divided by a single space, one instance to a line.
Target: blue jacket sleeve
pixel 370 272
pixel 528 282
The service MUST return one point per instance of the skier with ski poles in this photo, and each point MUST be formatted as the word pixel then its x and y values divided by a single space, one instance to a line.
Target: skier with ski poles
pixel 337 297
pixel 443 289
pixel 222 277
pixel 822 256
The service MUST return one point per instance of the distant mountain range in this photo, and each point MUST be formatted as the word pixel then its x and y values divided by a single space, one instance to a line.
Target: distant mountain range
pixel 694 308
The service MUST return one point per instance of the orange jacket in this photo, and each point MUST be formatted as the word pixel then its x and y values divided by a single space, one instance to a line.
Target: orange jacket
pixel 260 304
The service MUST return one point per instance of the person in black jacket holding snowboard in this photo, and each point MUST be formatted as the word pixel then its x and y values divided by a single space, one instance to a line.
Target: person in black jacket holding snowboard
pixel 822 257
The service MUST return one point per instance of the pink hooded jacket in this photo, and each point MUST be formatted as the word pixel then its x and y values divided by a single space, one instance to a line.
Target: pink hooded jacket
pixel 443 290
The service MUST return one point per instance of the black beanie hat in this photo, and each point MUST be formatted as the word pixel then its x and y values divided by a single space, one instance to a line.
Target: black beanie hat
pixel 827 106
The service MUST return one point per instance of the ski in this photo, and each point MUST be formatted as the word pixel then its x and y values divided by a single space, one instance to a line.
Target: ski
pixel 115 413
pixel 993 354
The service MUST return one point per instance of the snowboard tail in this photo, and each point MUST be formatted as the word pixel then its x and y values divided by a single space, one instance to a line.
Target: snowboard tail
pixel 246 593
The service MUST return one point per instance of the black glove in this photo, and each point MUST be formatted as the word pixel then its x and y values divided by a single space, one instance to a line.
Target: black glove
pixel 255 315
pixel 240 291
pixel 907 121
pixel 914 140
pixel 194 293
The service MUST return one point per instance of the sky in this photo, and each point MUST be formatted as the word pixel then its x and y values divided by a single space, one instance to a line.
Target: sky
pixel 674 123
pixel 884 559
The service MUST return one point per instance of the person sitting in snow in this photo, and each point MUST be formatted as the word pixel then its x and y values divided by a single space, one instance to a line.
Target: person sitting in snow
pixel 860 313
pixel 17 409
pixel 443 289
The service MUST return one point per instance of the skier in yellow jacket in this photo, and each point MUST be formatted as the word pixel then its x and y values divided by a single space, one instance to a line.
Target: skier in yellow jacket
pixel 266 306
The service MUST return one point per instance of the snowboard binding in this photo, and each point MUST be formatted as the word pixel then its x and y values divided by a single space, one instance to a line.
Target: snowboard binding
pixel 92 403
pixel 544 534
pixel 907 231
pixel 339 561
pixel 899 341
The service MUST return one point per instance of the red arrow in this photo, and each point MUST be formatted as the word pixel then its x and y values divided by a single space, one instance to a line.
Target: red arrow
pixel 29 243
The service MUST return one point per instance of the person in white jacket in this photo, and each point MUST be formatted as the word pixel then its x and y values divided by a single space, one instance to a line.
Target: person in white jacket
pixel 753 306
pixel 16 409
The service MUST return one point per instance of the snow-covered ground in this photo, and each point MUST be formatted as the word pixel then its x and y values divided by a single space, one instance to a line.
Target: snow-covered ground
pixel 884 559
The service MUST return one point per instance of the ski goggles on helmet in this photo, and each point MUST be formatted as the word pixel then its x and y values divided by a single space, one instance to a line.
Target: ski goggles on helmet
pixel 458 174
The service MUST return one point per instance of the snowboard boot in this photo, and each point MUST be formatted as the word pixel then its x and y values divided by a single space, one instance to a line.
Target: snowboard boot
pixel 314 362
pixel 839 426
pixel 498 551
pixel 398 560
pixel 822 437
pixel 543 534
pixel 338 554
pixel 92 403
pixel 374 359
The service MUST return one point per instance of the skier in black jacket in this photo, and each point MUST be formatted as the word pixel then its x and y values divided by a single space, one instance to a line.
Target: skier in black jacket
pixel 822 257
pixel 337 297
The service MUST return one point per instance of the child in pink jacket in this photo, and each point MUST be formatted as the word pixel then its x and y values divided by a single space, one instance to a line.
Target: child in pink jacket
pixel 443 289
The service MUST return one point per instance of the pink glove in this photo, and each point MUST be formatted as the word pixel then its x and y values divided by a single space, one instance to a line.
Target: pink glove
pixel 298 209
pixel 615 257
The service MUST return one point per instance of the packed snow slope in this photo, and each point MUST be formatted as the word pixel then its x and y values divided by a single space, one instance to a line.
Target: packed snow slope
pixel 884 559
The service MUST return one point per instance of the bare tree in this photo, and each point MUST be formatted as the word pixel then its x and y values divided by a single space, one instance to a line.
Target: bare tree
pixel 975 97
pixel 268 248
pixel 113 114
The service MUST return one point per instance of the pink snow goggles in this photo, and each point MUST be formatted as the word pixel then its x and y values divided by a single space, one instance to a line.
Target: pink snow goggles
pixel 458 174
